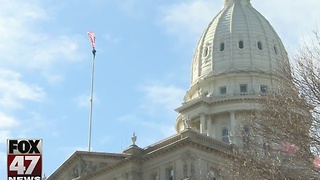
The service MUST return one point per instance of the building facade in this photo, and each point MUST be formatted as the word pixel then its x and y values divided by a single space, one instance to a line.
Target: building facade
pixel 234 62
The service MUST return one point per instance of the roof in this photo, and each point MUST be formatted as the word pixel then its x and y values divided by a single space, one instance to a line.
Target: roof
pixel 136 154
pixel 238 39
pixel 79 155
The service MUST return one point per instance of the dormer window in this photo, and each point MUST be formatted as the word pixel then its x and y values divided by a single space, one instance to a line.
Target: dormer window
pixel 259 44
pixel 241 45
pixel 222 47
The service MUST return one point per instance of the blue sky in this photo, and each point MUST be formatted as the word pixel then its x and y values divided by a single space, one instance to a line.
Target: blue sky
pixel 144 53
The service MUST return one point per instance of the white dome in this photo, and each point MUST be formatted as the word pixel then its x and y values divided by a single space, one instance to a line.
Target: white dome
pixel 238 39
pixel 235 61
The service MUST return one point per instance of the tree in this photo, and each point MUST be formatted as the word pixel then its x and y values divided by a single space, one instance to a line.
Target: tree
pixel 281 140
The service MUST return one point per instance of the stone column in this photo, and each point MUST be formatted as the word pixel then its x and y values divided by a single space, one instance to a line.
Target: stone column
pixel 233 127
pixel 162 172
pixel 210 126
pixel 202 122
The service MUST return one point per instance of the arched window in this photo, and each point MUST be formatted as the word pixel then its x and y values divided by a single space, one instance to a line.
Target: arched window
pixel 222 46
pixel 155 176
pixel 206 51
pixel 241 45
pixel 225 135
pixel 169 173
pixel 259 45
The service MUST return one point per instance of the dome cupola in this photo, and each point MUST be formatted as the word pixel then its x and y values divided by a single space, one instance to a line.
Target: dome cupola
pixel 236 60
pixel 238 39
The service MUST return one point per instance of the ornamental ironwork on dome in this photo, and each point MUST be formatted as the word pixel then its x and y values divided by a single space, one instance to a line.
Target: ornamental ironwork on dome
pixel 238 39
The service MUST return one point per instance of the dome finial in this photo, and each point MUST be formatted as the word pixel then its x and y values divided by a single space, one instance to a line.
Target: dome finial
pixel 228 2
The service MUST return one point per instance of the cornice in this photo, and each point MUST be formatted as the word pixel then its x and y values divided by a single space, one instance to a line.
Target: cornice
pixel 217 100
pixel 234 73
pixel 129 159
pixel 195 139
pixel 185 138
pixel 77 155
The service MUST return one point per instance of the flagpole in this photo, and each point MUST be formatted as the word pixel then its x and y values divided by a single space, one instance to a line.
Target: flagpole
pixel 91 97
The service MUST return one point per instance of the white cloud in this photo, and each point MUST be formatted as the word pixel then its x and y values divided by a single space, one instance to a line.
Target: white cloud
pixel 7 122
pixel 27 43
pixel 167 130
pixel 130 118
pixel 188 19
pixel 128 5
pixel 13 90
pixel 111 38
pixel 54 79
pixel 104 140
pixel 68 151
pixel 25 46
pixel 4 135
pixel 131 7
pixel 160 95
pixel 291 19
pixel 84 100
pixel 3 160
pixel 151 125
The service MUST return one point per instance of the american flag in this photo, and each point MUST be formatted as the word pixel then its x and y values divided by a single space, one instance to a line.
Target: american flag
pixel 92 37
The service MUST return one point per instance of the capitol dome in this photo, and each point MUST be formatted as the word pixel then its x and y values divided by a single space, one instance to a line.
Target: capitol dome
pixel 236 60
pixel 238 39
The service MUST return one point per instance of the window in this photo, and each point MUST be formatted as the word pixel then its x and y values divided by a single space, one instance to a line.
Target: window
pixel 275 49
pixel 155 177
pixel 241 45
pixel 222 47
pixel 212 174
pixel 206 51
pixel 223 90
pixel 263 88
pixel 225 135
pixel 169 173
pixel 259 45
pixel 243 88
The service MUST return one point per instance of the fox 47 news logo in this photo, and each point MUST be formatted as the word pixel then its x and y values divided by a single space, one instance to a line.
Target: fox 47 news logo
pixel 24 159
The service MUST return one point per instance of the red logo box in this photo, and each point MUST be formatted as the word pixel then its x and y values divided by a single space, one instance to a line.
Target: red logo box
pixel 24 159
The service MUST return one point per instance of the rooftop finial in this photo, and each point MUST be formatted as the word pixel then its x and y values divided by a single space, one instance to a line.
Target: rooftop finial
pixel 134 139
